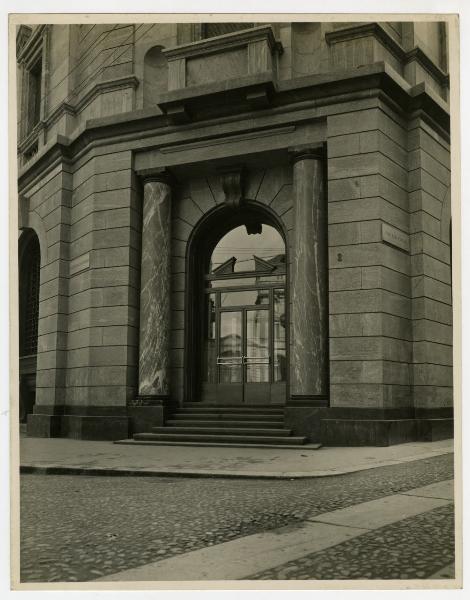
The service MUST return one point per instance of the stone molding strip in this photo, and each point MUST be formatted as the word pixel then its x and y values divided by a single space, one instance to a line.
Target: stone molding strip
pixel 31 47
pixel 109 85
pixel 222 43
pixel 376 30
pixel 313 90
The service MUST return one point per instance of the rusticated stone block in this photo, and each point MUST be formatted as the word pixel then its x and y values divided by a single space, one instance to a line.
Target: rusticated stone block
pixel 43 426
pixel 355 432
pixel 106 427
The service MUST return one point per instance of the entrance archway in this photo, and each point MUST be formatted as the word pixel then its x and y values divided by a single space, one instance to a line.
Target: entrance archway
pixel 238 330
pixel 29 263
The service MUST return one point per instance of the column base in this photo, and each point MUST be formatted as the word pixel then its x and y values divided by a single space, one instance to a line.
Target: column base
pixel 305 420
pixel 146 412
pixel 317 400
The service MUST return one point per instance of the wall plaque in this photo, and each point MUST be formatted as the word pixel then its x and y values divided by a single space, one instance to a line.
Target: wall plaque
pixel 395 237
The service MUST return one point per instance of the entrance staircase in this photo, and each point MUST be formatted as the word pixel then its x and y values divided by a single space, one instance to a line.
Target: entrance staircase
pixel 198 424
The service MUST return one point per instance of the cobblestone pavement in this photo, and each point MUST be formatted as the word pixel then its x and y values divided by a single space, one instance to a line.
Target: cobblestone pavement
pixel 413 548
pixel 78 528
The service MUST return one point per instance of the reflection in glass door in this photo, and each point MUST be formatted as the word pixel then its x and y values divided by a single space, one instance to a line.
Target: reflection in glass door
pixel 257 356
pixel 230 358
pixel 245 346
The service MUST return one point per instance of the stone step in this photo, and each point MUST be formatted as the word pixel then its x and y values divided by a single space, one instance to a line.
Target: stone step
pixel 238 405
pixel 225 417
pixel 259 424
pixel 230 409
pixel 247 439
pixel 223 431
pixel 283 446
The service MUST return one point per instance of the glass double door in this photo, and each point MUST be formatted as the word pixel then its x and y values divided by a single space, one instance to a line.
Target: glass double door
pixel 245 359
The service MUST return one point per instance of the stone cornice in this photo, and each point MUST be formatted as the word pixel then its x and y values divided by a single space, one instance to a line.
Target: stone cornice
pixel 363 30
pixel 381 34
pixel 423 59
pixel 22 37
pixel 55 153
pixel 377 80
pixel 74 109
pixel 108 86
pixel 93 91
pixel 254 91
pixel 32 46
pixel 31 138
pixel 222 43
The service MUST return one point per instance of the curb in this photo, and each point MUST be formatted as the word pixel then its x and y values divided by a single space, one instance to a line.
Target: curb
pixel 104 471
pixel 122 472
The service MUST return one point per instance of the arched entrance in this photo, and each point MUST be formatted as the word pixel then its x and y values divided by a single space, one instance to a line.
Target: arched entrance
pixel 29 262
pixel 239 324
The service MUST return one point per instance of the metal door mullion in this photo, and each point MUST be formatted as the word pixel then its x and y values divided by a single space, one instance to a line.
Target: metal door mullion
pixel 271 336
pixel 244 350
pixel 244 288
pixel 217 334
pixel 245 307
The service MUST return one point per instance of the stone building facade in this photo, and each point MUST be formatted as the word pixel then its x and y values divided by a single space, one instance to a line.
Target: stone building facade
pixel 142 147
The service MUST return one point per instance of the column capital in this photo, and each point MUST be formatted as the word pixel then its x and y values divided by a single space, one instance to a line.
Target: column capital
pixel 160 175
pixel 306 152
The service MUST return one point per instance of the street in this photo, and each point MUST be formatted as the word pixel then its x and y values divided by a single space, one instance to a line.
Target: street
pixel 81 528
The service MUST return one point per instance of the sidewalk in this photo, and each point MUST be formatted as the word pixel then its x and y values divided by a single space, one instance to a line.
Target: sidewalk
pixel 57 455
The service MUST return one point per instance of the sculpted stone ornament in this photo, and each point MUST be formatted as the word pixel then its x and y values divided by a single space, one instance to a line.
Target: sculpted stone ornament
pixel 232 185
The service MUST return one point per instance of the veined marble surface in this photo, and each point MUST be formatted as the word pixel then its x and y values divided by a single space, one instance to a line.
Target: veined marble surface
pixel 155 290
pixel 309 278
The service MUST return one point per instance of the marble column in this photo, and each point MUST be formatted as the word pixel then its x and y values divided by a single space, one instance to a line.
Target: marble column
pixel 154 344
pixel 309 280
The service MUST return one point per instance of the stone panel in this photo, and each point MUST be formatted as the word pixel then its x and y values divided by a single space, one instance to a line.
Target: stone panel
pixel 369 348
pixel 427 308
pixel 272 183
pixel 99 396
pixel 370 324
pixel 437 354
pixel 432 396
pixel 187 210
pixel 201 194
pixel 100 356
pixel 367 209
pixel 253 182
pixel 431 374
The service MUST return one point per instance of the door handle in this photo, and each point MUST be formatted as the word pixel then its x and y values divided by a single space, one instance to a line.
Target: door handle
pixel 256 360
pixel 232 360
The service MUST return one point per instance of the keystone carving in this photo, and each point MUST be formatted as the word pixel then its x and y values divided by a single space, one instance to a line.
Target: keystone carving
pixel 232 185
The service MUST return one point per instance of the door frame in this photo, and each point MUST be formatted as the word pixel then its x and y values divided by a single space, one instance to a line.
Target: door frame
pixel 240 389
pixel 205 235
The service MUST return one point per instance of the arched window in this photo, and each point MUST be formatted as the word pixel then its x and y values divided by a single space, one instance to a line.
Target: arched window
pixel 29 278
pixel 29 261
pixel 244 339
pixel 249 248
pixel 155 75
